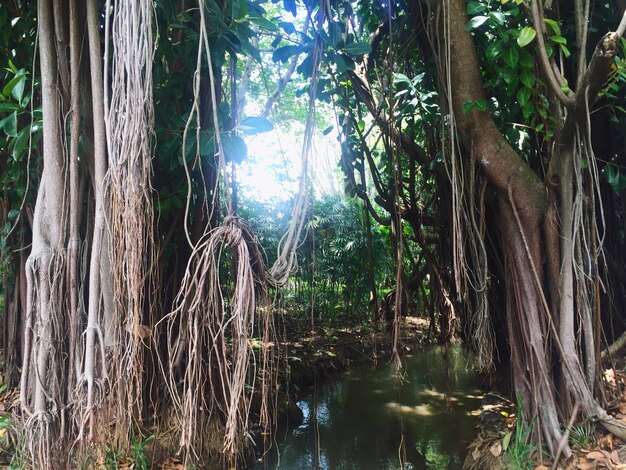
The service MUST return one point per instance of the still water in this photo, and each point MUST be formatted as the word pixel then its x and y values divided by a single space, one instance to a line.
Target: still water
pixel 367 418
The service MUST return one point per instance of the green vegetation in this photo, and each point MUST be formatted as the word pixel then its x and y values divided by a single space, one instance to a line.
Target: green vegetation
pixel 519 451
pixel 582 435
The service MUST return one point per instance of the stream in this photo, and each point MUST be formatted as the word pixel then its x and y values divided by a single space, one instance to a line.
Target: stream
pixel 367 418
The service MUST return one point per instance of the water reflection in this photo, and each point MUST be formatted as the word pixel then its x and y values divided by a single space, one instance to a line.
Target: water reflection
pixel 377 421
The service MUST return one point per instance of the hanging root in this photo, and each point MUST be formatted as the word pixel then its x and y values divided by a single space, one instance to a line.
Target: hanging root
pixel 469 255
pixel 43 379
pixel 129 131
pixel 215 329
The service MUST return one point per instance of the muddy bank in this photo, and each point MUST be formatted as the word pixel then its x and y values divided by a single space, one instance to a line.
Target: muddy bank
pixel 321 356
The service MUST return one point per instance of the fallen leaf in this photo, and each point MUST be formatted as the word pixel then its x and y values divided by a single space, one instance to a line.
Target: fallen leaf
pixel 496 449
pixel 541 467
pixel 595 455
pixel 615 458
pixel 586 466
pixel 606 442
pixel 476 453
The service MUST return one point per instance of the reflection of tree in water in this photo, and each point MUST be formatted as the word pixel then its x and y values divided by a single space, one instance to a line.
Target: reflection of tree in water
pixel 364 416
pixel 435 457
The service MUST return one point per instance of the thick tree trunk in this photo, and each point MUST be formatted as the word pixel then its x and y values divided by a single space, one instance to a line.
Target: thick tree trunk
pixel 522 208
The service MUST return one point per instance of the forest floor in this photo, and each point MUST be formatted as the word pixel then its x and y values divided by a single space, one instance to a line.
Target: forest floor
pixel 496 446
pixel 303 358
pixel 306 357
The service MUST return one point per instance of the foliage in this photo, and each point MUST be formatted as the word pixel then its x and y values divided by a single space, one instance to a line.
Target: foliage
pixel 582 435
pixel 139 446
pixel 520 452
pixel 20 127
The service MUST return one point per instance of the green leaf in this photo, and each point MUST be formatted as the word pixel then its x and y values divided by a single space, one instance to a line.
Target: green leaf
pixel 556 27
pixel 9 124
pixel 235 149
pixel 399 78
pixel 282 54
pixel 614 178
pixel 288 27
pixel 523 96
pixel 290 6
pixel 507 440
pixel 357 49
pixel 306 67
pixel 15 87
pixel 263 23
pixel 327 130
pixel 255 125
pixel 20 143
pixel 498 17
pixel 8 107
pixel 526 36
pixel 480 105
pixel 565 50
pixel 494 49
pixel 476 22
pixel 558 39
pixel 475 7
pixel 344 63
pixel 527 77
pixel 526 59
pixel 511 56
pixel 206 141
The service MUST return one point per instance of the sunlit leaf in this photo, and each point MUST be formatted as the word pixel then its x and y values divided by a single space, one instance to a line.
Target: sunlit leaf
pixel 476 22
pixel 526 36
pixel 255 125
pixel 498 17
pixel 235 149
pixel 556 27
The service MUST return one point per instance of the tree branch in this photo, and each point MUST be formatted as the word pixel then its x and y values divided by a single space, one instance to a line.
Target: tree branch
pixel 582 28
pixel 282 82
pixel 554 82
pixel 597 72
